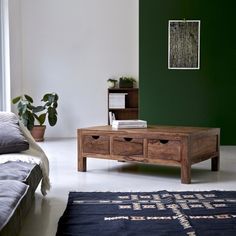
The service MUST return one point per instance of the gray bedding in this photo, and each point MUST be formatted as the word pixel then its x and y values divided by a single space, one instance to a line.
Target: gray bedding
pixel 18 179
pixel 11 194
pixel 18 182
pixel 15 171
pixel 27 173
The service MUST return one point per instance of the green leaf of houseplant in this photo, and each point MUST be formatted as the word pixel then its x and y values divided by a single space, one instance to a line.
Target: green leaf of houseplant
pixel 30 120
pixel 28 98
pixel 38 109
pixel 41 118
pixel 16 99
pixel 52 116
pixel 45 97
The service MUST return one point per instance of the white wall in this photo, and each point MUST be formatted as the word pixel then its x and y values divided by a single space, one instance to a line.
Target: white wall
pixel 15 47
pixel 72 47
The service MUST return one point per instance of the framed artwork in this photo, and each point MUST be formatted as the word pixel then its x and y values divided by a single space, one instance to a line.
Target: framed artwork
pixel 184 44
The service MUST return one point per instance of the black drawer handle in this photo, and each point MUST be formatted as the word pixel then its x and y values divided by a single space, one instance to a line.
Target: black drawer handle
pixel 95 137
pixel 164 141
pixel 128 139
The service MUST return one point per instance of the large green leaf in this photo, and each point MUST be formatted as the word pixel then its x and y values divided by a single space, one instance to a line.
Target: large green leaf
pixel 52 120
pixel 45 97
pixel 50 97
pixel 16 99
pixel 30 123
pixel 38 109
pixel 52 116
pixel 22 107
pixel 28 98
pixel 41 118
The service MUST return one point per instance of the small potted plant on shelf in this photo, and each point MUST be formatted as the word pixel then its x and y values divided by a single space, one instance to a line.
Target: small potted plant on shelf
pixel 34 117
pixel 111 83
pixel 126 82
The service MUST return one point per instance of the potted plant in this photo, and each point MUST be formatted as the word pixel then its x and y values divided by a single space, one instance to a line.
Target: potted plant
pixel 126 82
pixel 111 83
pixel 33 117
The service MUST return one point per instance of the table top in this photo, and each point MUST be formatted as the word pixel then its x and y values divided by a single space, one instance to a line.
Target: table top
pixel 175 130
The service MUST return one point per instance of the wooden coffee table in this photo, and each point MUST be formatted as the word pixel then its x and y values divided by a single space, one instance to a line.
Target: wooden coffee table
pixel 165 145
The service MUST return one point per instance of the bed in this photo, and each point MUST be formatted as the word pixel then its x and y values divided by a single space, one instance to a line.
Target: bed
pixel 23 166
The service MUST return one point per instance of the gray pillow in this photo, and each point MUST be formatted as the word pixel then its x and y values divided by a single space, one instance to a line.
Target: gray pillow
pixel 11 137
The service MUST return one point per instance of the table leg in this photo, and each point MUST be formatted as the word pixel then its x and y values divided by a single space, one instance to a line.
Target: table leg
pixel 185 174
pixel 215 163
pixel 185 163
pixel 82 164
pixel 81 160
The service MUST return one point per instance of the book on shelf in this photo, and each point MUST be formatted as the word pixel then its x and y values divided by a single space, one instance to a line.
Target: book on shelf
pixel 111 117
pixel 129 124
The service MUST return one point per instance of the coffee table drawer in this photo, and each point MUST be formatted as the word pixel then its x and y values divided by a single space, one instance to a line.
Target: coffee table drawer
pixel 127 146
pixel 164 149
pixel 96 144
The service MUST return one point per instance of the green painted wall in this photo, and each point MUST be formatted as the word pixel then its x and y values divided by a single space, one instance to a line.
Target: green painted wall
pixel 205 97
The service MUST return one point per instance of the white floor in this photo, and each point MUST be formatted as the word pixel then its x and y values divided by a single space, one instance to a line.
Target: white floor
pixel 105 175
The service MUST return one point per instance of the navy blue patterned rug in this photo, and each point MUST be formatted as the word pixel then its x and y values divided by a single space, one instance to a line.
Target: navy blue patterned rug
pixel 149 213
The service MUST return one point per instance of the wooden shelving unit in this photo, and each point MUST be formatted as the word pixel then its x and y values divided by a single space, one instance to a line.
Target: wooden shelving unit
pixel 131 110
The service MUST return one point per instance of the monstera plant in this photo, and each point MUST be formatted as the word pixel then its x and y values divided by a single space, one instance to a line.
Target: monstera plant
pixel 34 117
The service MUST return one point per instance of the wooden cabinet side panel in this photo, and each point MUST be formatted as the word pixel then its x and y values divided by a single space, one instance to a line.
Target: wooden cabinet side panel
pixel 204 145
pixel 132 98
